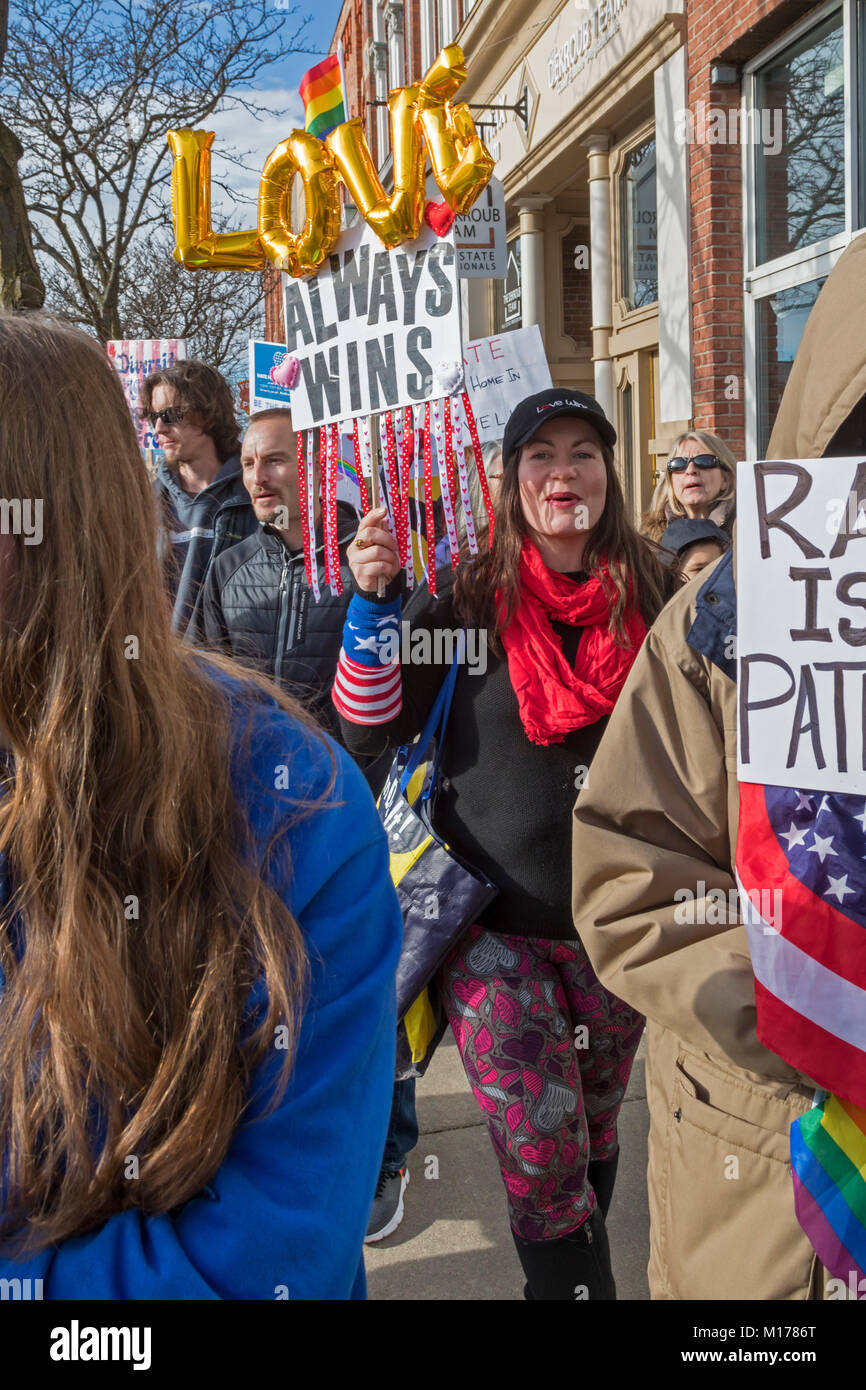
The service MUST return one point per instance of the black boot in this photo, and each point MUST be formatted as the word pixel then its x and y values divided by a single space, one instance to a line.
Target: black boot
pixel 576 1266
pixel 601 1176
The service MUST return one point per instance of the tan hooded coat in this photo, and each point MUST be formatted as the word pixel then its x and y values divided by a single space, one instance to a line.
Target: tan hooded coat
pixel 658 815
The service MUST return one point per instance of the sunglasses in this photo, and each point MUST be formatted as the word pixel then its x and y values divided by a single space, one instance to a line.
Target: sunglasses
pixel 172 416
pixel 701 461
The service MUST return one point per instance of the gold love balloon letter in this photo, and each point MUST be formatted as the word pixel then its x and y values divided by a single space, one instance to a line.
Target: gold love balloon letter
pixel 301 154
pixel 397 217
pixel 423 122
pixel 197 246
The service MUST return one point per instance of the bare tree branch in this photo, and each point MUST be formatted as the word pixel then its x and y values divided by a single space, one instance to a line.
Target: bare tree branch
pixel 91 87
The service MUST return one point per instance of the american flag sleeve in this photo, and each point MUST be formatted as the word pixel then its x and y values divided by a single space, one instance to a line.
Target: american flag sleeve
pixel 368 684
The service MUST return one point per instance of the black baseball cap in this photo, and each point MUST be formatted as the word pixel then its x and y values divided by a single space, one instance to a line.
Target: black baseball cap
pixel 530 415
pixel 690 530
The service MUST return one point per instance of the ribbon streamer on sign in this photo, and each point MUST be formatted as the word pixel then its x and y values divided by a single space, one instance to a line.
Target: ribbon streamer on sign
pixel 479 462
pixel 429 517
pixel 331 543
pixel 302 503
pixel 310 490
pixel 394 493
pixel 465 497
pixel 451 476
pixel 359 469
pixel 324 460
pixel 417 479
pixel 445 481
pixel 407 458
pixel 366 447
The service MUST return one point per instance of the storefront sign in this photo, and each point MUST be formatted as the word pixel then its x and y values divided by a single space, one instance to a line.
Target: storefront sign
pixel 802 649
pixel 584 43
pixel 572 59
pixel 479 235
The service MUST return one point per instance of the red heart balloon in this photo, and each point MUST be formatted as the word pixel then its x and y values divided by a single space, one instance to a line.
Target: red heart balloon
pixel 439 216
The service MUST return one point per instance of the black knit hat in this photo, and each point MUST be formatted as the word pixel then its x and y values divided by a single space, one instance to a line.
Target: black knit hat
pixel 528 417
pixel 689 530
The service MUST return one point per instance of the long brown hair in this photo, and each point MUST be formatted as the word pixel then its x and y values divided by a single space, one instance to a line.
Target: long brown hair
pixel 636 575
pixel 144 914
pixel 201 389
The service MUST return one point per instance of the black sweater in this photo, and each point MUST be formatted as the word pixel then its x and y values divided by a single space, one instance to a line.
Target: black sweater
pixel 505 804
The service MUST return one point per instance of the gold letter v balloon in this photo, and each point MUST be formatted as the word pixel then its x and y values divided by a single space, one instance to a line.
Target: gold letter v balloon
pixel 423 121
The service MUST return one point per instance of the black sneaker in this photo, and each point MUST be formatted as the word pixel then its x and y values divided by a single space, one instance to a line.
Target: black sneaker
pixel 387 1210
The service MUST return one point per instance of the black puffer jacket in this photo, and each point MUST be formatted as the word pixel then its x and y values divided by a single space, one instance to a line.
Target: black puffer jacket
pixel 257 606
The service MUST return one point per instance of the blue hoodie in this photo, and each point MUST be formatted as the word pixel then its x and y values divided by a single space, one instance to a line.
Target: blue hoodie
pixel 285 1214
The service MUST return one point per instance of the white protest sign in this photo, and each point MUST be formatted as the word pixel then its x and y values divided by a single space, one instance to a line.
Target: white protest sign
pixel 371 329
pixel 499 372
pixel 801 623
pixel 479 234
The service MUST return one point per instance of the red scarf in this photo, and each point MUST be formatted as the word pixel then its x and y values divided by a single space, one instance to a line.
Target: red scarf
pixel 554 698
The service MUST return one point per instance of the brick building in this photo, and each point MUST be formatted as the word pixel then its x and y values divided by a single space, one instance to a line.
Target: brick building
pixel 679 175
pixel 775 204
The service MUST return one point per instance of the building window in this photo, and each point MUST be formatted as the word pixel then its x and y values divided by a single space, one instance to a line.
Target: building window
pixel 804 167
pixel 639 226
pixel 781 319
pixel 800 153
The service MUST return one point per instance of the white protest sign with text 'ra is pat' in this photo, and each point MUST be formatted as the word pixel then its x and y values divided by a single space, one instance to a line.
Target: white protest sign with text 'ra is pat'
pixel 500 372
pixel 801 623
pixel 373 328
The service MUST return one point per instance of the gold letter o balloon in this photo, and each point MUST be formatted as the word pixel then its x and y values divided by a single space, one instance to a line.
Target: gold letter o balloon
pixel 300 254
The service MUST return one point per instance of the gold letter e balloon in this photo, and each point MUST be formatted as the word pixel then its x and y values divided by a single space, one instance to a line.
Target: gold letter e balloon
pixel 423 122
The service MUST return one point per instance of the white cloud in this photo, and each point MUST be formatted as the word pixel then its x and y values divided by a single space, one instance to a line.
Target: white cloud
pixel 238 128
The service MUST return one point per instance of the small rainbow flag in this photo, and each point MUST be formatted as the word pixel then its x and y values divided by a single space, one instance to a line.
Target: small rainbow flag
pixel 321 91
pixel 828 1156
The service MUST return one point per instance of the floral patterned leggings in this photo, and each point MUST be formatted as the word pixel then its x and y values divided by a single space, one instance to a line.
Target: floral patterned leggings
pixel 548 1052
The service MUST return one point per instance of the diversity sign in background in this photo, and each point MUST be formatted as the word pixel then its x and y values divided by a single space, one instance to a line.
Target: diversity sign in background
pixel 135 359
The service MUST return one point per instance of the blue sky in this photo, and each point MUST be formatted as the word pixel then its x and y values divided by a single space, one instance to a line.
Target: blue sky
pixel 260 137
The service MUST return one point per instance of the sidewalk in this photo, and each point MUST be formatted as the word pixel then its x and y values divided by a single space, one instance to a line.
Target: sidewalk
pixel 454 1241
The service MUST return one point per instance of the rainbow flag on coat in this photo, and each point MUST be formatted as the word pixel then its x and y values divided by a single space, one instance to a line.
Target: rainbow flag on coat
pixel 321 91
pixel 800 861
pixel 828 1156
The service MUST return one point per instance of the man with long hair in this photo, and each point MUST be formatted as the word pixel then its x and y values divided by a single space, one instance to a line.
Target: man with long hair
pixel 203 502
pixel 197 924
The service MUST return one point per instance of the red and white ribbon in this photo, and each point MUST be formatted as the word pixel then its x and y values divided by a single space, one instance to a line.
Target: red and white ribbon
pixel 479 462
pixel 332 548
pixel 303 508
pixel 394 494
pixel 406 437
pixel 439 434
pixel 429 518
pixel 310 530
pixel 359 468
pixel 465 497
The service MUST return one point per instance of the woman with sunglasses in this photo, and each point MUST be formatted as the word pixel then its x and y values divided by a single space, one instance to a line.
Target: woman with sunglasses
pixel 699 482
